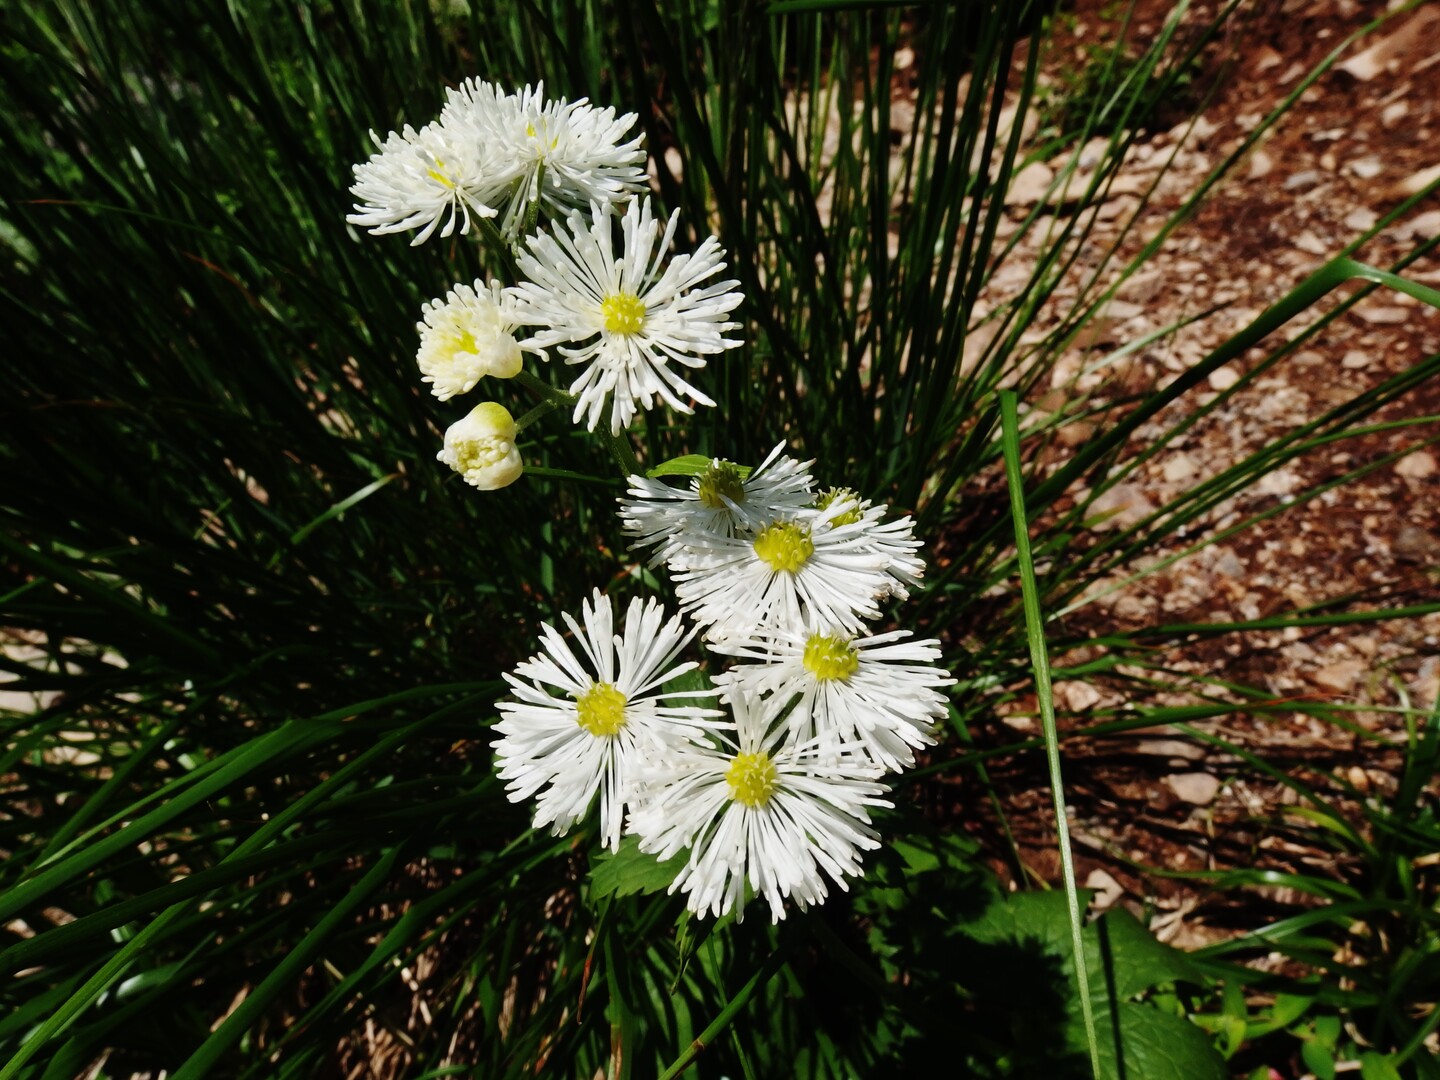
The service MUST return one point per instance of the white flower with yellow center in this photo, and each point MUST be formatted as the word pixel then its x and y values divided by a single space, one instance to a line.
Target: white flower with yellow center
pixel 565 155
pixel 792 572
pixel 420 178
pixel 628 317
pixel 761 811
pixel 719 501
pixel 466 336
pixel 481 447
pixel 583 720
pixel 881 693
pixel 895 539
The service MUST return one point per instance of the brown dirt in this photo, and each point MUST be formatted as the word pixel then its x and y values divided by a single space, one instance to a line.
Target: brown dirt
pixel 1339 161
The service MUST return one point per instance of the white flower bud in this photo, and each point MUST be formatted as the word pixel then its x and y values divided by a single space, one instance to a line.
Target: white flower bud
pixel 481 447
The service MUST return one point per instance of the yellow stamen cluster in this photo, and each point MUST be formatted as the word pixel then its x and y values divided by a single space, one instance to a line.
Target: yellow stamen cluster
pixel 438 174
pixel 721 478
pixel 829 656
pixel 600 710
pixel 459 343
pixel 624 313
pixel 532 133
pixel 784 546
pixel 825 499
pixel 752 779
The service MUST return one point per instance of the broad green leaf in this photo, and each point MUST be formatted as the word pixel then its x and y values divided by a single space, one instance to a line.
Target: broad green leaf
pixel 1318 1059
pixel 1375 1066
pixel 689 465
pixel 629 871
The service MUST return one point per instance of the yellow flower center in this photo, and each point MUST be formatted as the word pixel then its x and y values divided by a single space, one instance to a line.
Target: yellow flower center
pixel 624 313
pixel 751 778
pixel 829 656
pixel 829 496
pixel 721 478
pixel 532 133
pixel 437 174
pixel 600 710
pixel 784 546
pixel 459 343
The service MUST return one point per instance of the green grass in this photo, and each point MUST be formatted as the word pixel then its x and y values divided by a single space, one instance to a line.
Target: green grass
pixel 278 625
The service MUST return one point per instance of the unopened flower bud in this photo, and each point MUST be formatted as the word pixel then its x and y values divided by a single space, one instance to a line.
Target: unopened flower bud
pixel 481 447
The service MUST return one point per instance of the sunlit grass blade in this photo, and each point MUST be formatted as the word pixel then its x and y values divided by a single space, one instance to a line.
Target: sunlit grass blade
pixel 1040 661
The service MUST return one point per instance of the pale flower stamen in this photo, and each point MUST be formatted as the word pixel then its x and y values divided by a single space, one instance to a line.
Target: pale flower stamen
pixel 481 447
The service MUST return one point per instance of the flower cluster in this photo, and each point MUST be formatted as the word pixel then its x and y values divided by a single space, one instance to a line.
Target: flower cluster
pixel 495 154
pixel 554 182
pixel 775 793
pixel 761 776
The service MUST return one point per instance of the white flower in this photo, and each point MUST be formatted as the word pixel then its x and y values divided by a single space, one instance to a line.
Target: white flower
pixel 564 154
pixel 880 692
pixel 481 447
pixel 761 811
pixel 718 503
pixel 608 719
pixel 895 539
pixel 419 177
pixel 466 336
pixel 794 571
pixel 622 315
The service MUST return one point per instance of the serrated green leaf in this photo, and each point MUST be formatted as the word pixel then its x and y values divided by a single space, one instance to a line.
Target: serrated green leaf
pixel 630 870
pixel 1139 961
pixel 1157 1046
pixel 1125 962
pixel 917 859
pixel 1232 1031
pixel 1327 1030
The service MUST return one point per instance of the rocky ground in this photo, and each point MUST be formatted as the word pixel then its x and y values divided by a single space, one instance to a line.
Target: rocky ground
pixel 1358 141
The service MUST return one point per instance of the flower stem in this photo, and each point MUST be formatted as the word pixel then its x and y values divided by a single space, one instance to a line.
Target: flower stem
pixel 624 455
pixel 526 419
pixel 500 248
pixel 543 390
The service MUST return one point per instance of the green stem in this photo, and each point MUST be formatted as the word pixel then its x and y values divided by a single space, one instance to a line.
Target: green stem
pixel 543 390
pixel 1035 631
pixel 552 398
pixel 501 249
pixel 532 211
pixel 528 418
pixel 624 455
